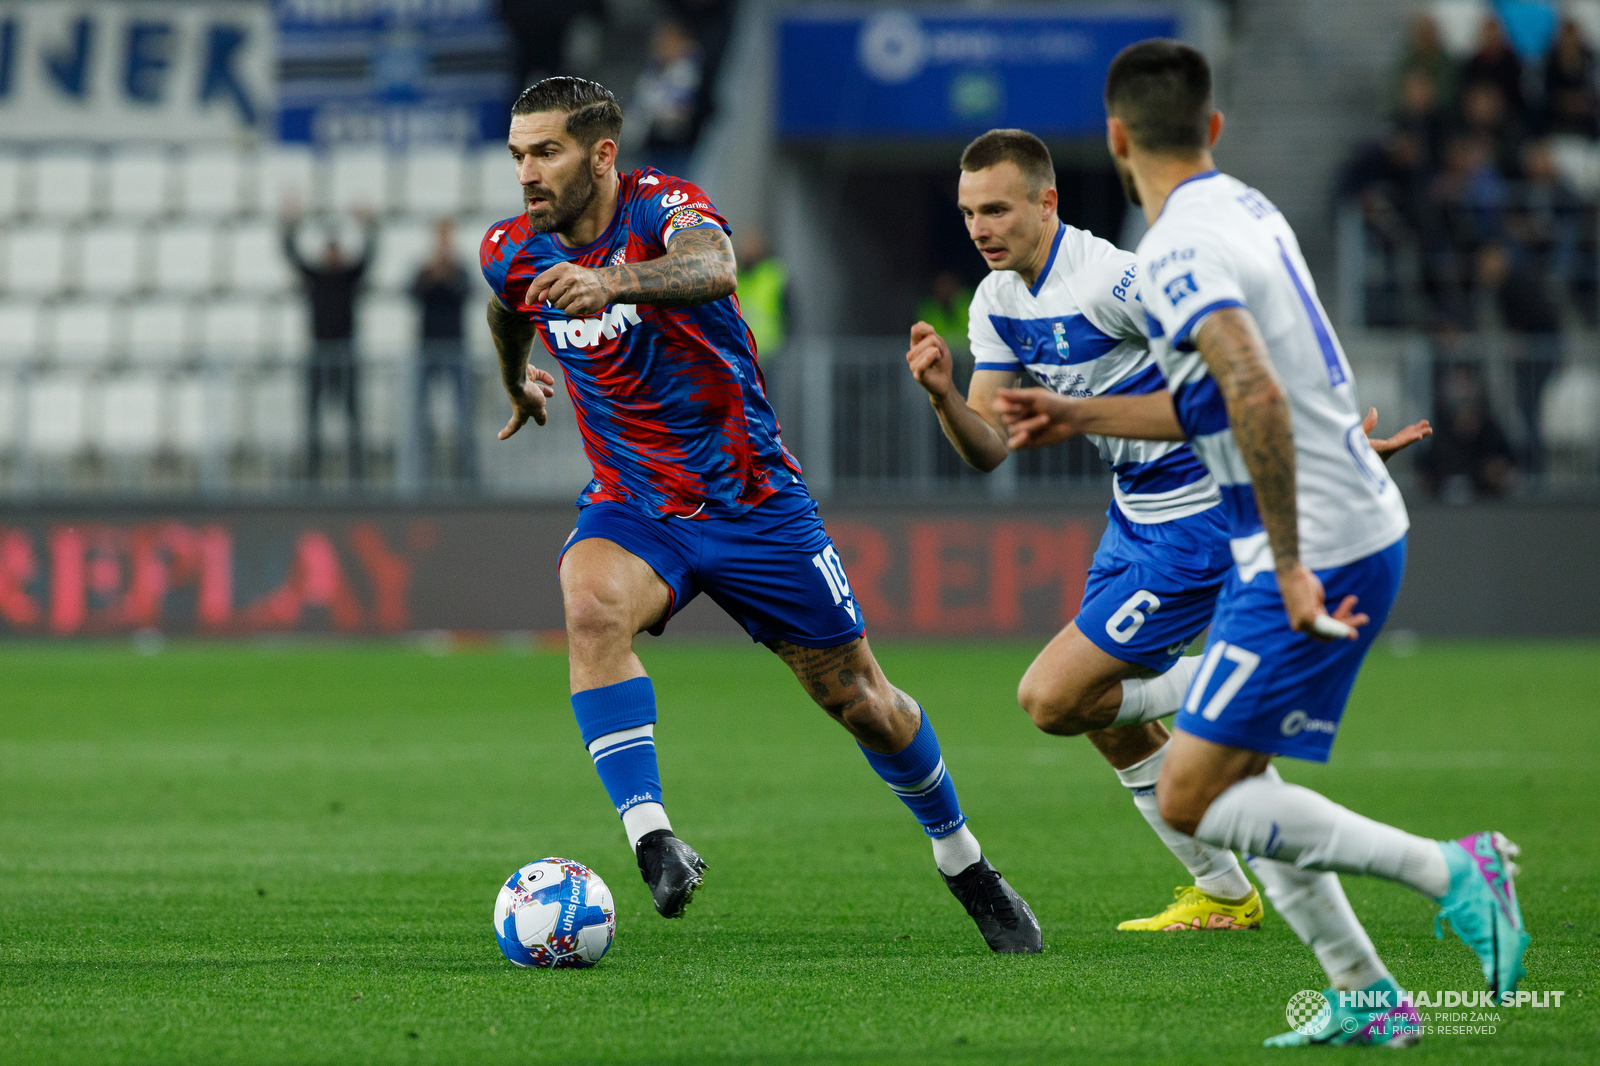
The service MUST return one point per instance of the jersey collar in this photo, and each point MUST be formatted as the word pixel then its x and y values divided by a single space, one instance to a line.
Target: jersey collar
pixel 624 191
pixel 1055 246
pixel 1202 176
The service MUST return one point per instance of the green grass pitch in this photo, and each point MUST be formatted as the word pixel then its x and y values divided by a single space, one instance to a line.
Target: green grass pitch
pixel 290 854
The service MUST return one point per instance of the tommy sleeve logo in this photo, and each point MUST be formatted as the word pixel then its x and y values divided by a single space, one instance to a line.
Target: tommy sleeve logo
pixel 1179 287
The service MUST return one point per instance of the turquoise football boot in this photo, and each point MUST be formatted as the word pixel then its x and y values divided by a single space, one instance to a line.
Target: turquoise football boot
pixel 1384 1017
pixel 1481 905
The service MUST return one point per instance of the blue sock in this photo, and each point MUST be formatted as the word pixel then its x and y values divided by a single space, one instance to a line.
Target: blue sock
pixel 623 716
pixel 917 775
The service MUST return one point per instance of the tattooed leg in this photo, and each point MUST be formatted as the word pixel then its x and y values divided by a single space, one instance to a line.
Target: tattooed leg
pixel 847 682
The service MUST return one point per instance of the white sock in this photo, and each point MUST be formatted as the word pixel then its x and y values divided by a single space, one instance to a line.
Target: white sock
pixel 1267 816
pixel 1216 871
pixel 956 852
pixel 1314 905
pixel 1146 699
pixel 642 819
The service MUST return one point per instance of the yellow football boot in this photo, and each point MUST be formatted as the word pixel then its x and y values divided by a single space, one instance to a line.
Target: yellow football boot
pixel 1193 909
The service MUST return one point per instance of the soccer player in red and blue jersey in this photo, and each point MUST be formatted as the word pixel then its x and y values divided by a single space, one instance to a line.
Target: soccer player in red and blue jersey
pixel 628 281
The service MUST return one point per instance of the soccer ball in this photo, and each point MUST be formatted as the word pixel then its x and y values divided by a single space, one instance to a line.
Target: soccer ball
pixel 554 913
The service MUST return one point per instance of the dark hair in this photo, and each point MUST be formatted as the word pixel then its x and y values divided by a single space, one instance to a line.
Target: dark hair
pixel 591 109
pixel 1161 90
pixel 1013 146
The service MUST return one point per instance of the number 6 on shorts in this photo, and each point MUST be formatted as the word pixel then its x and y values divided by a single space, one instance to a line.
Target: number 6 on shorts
pixel 1118 627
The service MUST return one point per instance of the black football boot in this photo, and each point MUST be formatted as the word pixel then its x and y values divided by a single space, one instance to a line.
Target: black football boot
pixel 672 870
pixel 1003 917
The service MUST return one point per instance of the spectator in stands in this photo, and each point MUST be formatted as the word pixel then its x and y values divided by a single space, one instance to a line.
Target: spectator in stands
pixel 945 309
pixel 1421 116
pixel 331 287
pixel 539 30
pixel 1387 181
pixel 1518 296
pixel 666 99
pixel 1425 56
pixel 1485 116
pixel 1465 207
pixel 710 23
pixel 440 288
pixel 1549 224
pixel 1495 62
pixel 763 292
pixel 1469 455
pixel 1570 104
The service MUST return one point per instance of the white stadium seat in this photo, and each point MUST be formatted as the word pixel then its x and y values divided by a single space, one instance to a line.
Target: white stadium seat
pixel 186 259
pixel 20 331
pixel 256 266
pixel 499 192
pixel 112 260
pixel 11 396
pixel 55 413
pixel 13 170
pixel 286 327
pixel 276 415
pixel 359 177
pixel 233 330
pixel 130 420
pixel 213 181
pixel 402 248
pixel 35 260
pixel 64 184
pixel 85 332
pixel 199 414
pixel 434 182
pixel 140 184
pixel 386 327
pixel 289 174
pixel 159 332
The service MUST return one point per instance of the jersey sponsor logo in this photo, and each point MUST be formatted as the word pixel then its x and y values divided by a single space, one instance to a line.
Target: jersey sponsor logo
pixel 1179 287
pixel 1258 206
pixel 1297 722
pixel 1169 259
pixel 1062 380
pixel 673 199
pixel 587 332
pixel 1119 291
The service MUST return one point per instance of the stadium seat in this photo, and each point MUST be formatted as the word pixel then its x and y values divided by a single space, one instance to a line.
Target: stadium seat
pixel 232 330
pixel 386 328
pixel 199 415
pixel 64 184
pixel 131 418
pixel 13 168
pixel 402 248
pixel 160 332
pixel 35 260
pixel 469 236
pixel 434 183
pixel 20 331
pixel 113 260
pixel 212 181
pixel 275 411
pixel 141 185
pixel 289 173
pixel 55 413
pixel 1570 408
pixel 10 397
pixel 185 259
pixel 287 327
pixel 255 262
pixel 359 177
pixel 85 332
pixel 499 194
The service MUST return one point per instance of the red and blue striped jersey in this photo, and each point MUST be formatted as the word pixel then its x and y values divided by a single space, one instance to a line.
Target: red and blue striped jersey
pixel 672 406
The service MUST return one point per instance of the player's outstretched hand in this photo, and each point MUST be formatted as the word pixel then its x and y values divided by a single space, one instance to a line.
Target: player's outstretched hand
pixel 1303 600
pixel 1036 417
pixel 1400 441
pixel 930 361
pixel 528 402
pixel 571 289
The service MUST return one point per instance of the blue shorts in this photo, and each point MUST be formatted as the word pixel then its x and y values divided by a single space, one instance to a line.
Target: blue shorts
pixel 1152 588
pixel 1264 687
pixel 774 569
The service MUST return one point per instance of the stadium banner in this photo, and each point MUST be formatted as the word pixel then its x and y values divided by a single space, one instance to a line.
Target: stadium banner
pixel 867 73
pixel 916 571
pixel 174 71
pixel 391 72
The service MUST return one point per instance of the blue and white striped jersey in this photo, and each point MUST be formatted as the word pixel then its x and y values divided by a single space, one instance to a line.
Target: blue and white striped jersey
pixel 1079 332
pixel 1219 243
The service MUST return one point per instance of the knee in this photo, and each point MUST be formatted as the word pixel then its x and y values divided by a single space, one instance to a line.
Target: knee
pixel 1061 712
pixel 595 612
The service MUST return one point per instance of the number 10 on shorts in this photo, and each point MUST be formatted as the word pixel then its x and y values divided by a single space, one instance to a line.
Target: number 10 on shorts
pixel 832 569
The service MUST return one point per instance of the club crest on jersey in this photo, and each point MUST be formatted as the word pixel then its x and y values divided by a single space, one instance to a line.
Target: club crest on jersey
pixel 1179 287
pixel 673 199
pixel 587 332
pixel 1063 349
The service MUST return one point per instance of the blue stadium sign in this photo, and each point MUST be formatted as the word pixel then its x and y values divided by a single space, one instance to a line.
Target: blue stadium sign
pixel 905 73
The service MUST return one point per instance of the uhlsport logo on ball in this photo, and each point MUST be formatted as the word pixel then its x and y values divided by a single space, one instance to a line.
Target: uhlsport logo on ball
pixel 554 914
pixel 1308 1012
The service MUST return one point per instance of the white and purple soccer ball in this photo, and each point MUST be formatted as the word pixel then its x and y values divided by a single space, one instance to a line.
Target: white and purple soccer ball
pixel 555 914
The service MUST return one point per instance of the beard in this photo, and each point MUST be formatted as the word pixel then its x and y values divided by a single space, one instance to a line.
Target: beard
pixel 562 209
pixel 1125 175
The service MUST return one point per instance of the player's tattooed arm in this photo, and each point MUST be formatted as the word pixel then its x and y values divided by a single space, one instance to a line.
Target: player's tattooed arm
pixel 1258 410
pixel 526 385
pixel 699 267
